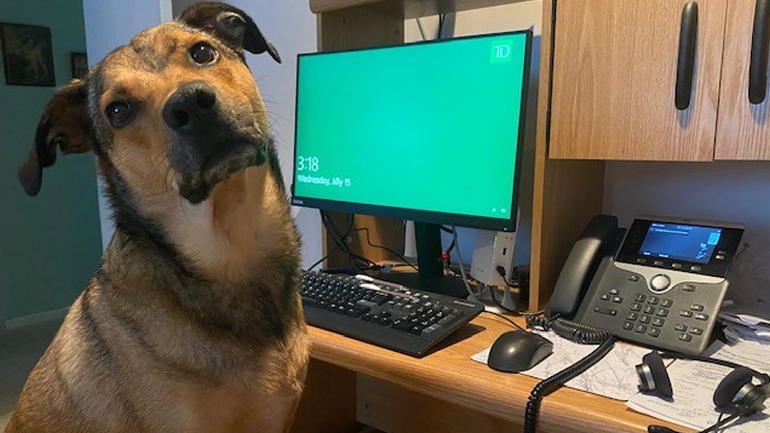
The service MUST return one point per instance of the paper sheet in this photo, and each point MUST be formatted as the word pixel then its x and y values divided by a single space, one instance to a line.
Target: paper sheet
pixel 613 377
pixel 694 384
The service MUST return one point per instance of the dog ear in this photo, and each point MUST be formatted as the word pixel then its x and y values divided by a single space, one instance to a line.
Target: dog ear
pixel 63 124
pixel 231 25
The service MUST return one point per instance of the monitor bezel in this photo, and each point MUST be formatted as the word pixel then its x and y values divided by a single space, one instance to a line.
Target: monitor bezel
pixel 464 220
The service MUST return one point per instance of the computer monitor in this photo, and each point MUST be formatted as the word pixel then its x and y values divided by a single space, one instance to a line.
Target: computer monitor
pixel 431 131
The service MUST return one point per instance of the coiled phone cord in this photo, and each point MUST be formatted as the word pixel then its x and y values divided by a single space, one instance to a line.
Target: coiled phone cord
pixel 579 333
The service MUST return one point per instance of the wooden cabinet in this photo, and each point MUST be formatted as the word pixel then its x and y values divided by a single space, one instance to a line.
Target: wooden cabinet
pixel 615 76
pixel 743 129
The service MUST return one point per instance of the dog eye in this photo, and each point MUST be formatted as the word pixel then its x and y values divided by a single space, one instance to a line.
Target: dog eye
pixel 203 53
pixel 119 113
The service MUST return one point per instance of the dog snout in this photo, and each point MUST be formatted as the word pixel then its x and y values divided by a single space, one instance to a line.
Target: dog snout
pixel 191 109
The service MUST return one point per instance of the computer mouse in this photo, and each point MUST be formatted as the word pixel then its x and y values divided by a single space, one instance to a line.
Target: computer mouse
pixel 518 350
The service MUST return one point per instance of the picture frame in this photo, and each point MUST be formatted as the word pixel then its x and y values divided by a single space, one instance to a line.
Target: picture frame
pixel 27 55
pixel 79 64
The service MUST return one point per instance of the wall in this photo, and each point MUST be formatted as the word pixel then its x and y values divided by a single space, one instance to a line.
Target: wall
pixel 49 245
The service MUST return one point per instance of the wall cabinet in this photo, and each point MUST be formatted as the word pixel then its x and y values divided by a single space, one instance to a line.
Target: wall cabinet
pixel 616 68
pixel 743 130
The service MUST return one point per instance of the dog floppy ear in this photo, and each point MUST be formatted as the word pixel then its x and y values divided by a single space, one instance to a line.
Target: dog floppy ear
pixel 63 124
pixel 229 24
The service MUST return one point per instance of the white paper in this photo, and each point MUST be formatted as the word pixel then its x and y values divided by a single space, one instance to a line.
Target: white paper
pixel 614 376
pixel 694 384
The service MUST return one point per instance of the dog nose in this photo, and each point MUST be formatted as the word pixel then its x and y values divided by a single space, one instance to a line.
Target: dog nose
pixel 191 108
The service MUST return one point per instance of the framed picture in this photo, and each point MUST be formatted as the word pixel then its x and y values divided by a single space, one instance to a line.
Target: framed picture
pixel 79 65
pixel 27 55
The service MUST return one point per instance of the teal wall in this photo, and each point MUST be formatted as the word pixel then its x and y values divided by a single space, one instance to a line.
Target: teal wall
pixel 50 244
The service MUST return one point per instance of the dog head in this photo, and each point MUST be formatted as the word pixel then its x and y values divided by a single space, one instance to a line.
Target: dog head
pixel 176 110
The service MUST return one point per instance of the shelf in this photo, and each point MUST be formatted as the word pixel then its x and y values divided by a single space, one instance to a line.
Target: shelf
pixel 412 8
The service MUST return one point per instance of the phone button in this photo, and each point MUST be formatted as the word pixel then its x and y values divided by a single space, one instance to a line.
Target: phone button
pixel 608 311
pixel 641 329
pixel 632 316
pixel 659 283
pixel 640 297
pixel 685 337
pixel 628 326
pixel 696 331
pixel 654 332
pixel 680 327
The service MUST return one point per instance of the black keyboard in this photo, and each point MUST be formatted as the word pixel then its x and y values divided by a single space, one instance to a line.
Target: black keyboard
pixel 385 314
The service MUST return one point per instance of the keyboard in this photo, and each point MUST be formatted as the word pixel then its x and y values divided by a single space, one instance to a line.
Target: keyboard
pixel 385 314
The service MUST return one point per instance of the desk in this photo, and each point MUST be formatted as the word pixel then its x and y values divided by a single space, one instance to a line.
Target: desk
pixel 443 392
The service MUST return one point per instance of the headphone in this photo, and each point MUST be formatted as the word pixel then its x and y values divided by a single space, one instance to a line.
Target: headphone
pixel 736 393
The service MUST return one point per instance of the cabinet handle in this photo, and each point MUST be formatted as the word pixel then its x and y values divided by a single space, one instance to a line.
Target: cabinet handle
pixel 688 33
pixel 758 61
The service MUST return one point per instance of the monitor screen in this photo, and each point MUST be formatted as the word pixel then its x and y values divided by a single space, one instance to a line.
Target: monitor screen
pixel 428 131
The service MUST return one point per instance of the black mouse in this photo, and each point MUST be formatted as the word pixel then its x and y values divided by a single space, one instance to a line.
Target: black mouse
pixel 518 350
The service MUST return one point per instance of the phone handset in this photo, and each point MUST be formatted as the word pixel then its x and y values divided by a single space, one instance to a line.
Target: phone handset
pixel 597 240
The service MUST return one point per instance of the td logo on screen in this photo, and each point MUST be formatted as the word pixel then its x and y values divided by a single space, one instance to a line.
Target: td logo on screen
pixel 501 51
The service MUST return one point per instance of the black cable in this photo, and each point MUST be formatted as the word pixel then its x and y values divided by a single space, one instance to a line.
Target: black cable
pixel 336 247
pixel 339 239
pixel 516 325
pixel 551 384
pixel 400 256
pixel 501 271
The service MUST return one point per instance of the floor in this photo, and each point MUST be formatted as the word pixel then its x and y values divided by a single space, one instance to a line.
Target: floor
pixel 20 350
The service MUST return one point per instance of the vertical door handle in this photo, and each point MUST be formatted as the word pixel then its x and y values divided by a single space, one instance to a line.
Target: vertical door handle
pixel 758 61
pixel 685 65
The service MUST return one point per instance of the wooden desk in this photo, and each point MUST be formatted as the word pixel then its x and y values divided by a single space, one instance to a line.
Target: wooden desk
pixel 443 392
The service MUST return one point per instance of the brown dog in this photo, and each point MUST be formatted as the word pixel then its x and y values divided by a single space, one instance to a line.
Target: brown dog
pixel 193 322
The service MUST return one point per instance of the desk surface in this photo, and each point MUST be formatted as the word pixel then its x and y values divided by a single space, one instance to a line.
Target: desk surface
pixel 450 374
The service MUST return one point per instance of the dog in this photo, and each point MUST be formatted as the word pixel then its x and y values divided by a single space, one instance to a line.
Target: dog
pixel 193 321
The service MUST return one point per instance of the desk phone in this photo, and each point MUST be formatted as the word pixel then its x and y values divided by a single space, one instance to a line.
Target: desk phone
pixel 662 287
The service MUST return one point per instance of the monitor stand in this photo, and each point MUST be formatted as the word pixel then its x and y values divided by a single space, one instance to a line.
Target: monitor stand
pixel 431 276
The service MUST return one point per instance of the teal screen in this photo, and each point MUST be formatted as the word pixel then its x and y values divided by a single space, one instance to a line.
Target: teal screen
pixel 432 128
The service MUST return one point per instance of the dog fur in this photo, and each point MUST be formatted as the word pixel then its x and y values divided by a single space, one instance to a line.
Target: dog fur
pixel 193 321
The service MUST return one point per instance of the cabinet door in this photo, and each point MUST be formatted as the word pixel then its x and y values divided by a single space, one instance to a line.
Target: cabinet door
pixel 743 130
pixel 614 81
